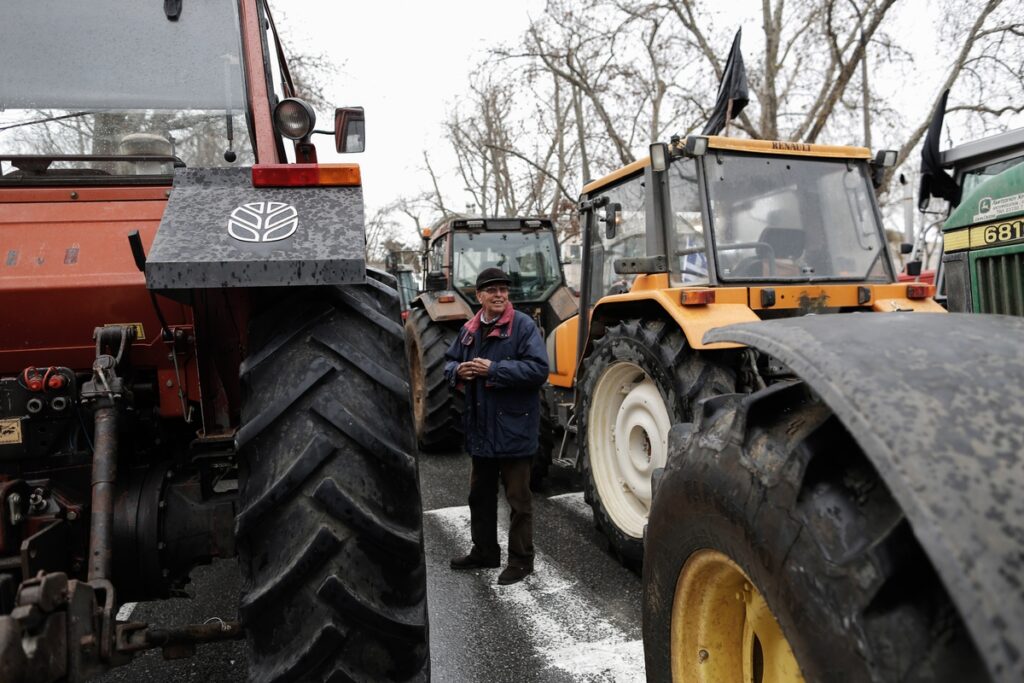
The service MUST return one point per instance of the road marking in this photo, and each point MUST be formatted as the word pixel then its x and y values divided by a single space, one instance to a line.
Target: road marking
pixel 124 613
pixel 574 503
pixel 566 629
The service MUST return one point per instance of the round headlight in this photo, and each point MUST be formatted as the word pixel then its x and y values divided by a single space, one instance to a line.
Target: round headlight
pixel 294 119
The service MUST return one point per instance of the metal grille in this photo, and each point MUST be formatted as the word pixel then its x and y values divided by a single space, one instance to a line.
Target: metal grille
pixel 1001 284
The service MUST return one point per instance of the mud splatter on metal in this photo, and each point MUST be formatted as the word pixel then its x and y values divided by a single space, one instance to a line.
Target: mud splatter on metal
pixel 193 249
pixel 937 403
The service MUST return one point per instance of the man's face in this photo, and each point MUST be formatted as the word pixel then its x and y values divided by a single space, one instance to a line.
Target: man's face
pixel 493 298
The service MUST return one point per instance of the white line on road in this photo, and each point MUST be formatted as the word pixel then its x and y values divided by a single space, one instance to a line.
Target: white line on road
pixel 566 629
pixel 573 502
pixel 124 613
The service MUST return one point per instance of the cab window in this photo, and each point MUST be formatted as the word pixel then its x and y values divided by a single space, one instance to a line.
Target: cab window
pixel 686 243
pixel 628 239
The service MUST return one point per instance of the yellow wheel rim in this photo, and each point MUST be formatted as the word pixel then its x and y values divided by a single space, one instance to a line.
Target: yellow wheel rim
pixel 723 630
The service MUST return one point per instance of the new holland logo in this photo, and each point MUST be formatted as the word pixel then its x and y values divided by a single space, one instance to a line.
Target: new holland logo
pixel 263 222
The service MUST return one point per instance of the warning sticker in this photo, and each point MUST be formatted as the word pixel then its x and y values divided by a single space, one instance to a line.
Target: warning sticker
pixel 989 208
pixel 10 432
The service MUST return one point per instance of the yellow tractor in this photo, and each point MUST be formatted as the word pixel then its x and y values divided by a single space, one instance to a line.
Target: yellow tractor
pixel 812 496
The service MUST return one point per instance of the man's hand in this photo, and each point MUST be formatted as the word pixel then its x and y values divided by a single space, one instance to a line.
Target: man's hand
pixel 477 367
pixel 480 366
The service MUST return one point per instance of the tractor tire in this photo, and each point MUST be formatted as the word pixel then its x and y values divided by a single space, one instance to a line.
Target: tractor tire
pixel 641 378
pixel 775 552
pixel 437 407
pixel 330 539
pixel 545 444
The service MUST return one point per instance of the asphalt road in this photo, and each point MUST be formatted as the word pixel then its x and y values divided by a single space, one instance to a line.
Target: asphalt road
pixel 577 618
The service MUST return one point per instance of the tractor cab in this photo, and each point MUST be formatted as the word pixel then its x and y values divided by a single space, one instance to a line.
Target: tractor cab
pixel 525 248
pixel 721 212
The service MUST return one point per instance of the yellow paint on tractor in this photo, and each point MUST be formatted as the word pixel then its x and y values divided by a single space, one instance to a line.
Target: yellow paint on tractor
pixel 987 235
pixel 615 175
pixel 562 353
pixel 732 305
pixel 777 147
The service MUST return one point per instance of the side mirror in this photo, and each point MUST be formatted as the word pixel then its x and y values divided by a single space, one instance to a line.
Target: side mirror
pixel 884 158
pixel 913 268
pixel 611 219
pixel 349 130
pixel 906 248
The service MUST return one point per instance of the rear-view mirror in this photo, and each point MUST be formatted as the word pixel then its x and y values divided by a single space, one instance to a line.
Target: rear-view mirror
pixel 349 130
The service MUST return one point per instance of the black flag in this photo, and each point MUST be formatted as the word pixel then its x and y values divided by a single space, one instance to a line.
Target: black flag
pixel 733 87
pixel 934 181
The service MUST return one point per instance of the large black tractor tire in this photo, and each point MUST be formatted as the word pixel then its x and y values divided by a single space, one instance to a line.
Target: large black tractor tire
pixel 330 530
pixel 437 407
pixel 769 501
pixel 545 446
pixel 648 364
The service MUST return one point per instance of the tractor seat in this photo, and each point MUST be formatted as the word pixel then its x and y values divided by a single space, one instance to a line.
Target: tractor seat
pixel 787 246
pixel 786 243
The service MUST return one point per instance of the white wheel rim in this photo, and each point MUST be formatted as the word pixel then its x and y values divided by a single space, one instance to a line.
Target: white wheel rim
pixel 627 439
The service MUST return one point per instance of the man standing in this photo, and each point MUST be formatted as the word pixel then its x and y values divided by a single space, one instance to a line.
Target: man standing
pixel 500 361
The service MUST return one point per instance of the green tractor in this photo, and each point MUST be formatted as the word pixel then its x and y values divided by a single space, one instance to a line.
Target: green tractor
pixel 982 267
pixel 454 253
pixel 983 245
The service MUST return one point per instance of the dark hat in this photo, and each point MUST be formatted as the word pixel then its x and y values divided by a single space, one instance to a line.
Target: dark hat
pixel 491 276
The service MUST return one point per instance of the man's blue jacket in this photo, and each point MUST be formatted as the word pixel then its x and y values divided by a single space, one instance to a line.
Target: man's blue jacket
pixel 502 413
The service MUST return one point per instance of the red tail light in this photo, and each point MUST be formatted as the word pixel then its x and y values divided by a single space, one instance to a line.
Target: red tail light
pixel 697 297
pixel 919 291
pixel 306 175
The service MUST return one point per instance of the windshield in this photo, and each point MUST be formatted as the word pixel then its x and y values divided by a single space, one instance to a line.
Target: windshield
pixel 529 258
pixel 407 289
pixel 117 78
pixel 793 218
pixel 976 177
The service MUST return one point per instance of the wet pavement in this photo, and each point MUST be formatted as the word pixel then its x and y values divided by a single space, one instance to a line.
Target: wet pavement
pixel 577 618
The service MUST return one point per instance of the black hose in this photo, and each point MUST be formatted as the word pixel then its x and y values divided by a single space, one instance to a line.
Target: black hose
pixel 104 472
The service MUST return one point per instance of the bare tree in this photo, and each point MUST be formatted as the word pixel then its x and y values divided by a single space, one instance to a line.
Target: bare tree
pixel 607 77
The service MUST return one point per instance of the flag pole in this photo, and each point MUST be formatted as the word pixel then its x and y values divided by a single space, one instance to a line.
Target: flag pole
pixel 728 116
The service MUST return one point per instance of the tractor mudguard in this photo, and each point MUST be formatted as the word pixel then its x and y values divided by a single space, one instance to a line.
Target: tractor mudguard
pixel 220 231
pixel 453 309
pixel 937 404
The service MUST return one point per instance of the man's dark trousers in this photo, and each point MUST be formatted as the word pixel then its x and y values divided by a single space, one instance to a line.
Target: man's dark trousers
pixel 483 508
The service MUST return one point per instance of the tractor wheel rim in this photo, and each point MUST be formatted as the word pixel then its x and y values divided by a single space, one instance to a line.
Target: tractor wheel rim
pixel 722 628
pixel 627 440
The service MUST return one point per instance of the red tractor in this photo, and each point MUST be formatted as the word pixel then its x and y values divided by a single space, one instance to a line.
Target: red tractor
pixel 245 394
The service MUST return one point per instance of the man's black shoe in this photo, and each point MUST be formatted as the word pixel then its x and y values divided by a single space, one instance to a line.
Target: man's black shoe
pixel 513 575
pixel 473 562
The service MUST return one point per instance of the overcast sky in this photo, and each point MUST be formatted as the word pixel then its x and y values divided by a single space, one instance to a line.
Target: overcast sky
pixel 408 62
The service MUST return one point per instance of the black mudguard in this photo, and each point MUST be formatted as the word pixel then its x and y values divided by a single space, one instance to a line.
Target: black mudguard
pixel 220 231
pixel 937 403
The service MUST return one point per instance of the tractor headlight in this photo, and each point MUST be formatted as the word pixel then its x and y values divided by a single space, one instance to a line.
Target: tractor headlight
pixel 294 118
